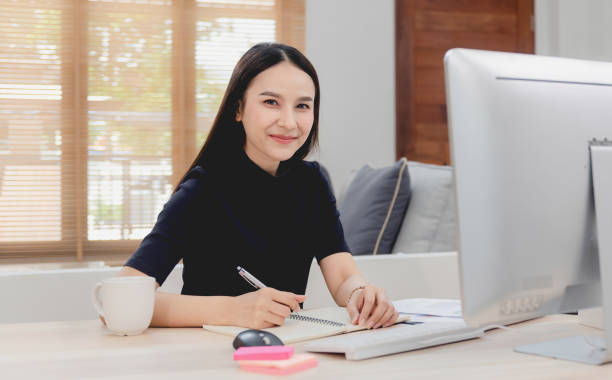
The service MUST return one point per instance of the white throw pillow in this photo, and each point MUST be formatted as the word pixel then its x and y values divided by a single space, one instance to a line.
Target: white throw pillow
pixel 430 221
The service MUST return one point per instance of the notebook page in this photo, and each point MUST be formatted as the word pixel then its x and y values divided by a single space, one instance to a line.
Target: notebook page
pixel 299 330
pixel 335 314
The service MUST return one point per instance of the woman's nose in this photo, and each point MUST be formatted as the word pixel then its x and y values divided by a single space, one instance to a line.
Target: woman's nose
pixel 287 119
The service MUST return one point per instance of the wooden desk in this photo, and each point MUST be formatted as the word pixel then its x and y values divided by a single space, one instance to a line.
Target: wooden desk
pixel 83 349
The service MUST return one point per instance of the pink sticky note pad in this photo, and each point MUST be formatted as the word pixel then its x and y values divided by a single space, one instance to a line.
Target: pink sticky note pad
pixel 263 353
pixel 297 363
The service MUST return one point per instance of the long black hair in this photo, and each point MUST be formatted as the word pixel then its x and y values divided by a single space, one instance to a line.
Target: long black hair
pixel 227 135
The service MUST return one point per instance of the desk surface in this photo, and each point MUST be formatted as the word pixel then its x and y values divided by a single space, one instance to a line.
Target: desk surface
pixel 84 349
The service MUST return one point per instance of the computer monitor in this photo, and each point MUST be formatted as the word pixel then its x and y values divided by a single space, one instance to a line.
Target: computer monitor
pixel 520 128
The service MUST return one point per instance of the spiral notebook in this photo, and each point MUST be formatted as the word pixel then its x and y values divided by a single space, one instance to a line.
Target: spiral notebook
pixel 306 325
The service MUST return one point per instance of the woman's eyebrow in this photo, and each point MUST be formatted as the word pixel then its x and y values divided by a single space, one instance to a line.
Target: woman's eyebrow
pixel 275 95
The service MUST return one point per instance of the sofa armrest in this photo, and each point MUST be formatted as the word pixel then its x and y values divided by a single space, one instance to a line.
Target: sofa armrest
pixel 50 295
pixel 416 275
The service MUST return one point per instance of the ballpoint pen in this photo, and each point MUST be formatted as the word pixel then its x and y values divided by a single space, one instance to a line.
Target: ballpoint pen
pixel 250 278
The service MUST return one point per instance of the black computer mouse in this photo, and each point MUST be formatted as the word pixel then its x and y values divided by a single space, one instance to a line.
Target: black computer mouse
pixel 256 338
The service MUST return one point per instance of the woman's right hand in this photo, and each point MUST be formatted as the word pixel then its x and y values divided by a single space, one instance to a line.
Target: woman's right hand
pixel 265 307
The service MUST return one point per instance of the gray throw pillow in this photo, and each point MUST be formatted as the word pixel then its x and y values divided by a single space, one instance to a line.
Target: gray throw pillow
pixel 373 208
pixel 430 224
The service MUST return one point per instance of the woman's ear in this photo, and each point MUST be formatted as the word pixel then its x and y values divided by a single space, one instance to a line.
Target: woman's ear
pixel 239 111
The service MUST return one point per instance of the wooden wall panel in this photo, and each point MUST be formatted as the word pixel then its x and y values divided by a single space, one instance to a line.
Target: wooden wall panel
pixel 496 6
pixel 465 22
pixel 427 57
pixel 425 30
pixel 474 40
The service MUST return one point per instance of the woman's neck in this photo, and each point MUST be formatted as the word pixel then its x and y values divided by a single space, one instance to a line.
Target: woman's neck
pixel 266 164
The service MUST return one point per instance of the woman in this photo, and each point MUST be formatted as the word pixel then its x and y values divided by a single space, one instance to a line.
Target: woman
pixel 249 199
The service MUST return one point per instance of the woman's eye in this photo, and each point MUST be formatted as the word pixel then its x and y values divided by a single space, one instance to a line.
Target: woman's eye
pixel 271 102
pixel 303 106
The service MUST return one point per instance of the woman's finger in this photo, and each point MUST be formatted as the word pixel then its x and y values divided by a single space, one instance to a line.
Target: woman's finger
pixel 279 309
pixel 275 319
pixel 353 312
pixel 393 319
pixel 385 318
pixel 369 298
pixel 381 307
pixel 289 299
pixel 354 306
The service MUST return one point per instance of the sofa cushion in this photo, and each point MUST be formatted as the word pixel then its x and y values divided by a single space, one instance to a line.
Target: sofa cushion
pixel 430 222
pixel 343 187
pixel 373 208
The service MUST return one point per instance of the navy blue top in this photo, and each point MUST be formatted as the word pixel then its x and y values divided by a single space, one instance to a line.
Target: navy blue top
pixel 236 214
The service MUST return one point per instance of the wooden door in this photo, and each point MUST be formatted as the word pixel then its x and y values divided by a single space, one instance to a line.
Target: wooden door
pixel 425 30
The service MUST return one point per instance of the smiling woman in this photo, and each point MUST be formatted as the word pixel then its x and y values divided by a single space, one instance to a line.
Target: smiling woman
pixel 249 199
pixel 277 122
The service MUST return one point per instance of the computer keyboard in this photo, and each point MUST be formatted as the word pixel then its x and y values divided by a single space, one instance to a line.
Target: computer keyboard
pixel 394 339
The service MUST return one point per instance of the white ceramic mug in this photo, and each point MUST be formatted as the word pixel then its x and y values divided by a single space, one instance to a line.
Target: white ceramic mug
pixel 125 303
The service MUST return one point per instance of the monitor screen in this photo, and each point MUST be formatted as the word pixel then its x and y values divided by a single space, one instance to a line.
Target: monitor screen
pixel 519 129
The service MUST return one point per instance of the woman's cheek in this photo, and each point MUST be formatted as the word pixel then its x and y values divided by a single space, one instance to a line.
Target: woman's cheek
pixel 305 121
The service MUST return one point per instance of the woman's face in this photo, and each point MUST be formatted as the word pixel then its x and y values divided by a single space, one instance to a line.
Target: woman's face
pixel 277 114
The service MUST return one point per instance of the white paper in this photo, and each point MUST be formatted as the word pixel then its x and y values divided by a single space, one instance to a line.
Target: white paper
pixel 434 319
pixel 439 307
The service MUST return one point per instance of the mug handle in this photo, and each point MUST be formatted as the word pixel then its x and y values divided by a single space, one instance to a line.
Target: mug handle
pixel 95 298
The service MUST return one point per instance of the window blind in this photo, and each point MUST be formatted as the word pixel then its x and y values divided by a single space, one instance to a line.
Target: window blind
pixel 104 104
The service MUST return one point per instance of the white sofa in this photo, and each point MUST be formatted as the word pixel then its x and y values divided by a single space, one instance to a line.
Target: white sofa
pixel 418 275
pixel 65 294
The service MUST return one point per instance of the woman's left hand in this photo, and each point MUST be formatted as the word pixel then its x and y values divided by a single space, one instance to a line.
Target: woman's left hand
pixel 371 308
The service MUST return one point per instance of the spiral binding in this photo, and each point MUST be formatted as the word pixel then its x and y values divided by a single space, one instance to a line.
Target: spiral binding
pixel 305 318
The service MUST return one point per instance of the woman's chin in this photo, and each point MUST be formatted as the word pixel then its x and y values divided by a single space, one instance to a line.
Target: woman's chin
pixel 285 158
pixel 284 155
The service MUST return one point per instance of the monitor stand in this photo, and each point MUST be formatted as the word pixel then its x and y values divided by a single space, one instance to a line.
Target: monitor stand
pixel 592 349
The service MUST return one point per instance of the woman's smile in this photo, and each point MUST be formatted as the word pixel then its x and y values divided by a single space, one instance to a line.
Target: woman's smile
pixel 283 139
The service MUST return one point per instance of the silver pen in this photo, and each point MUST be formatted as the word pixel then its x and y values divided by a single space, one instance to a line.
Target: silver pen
pixel 254 281
pixel 250 278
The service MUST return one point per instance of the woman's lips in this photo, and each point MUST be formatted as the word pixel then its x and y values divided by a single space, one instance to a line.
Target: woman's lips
pixel 283 139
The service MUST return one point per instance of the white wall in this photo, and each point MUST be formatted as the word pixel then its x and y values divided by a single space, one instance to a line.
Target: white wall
pixel 574 29
pixel 351 43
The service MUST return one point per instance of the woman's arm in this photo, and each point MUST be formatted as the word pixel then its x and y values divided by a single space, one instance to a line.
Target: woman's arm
pixel 341 276
pixel 365 303
pixel 177 310
pixel 264 308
